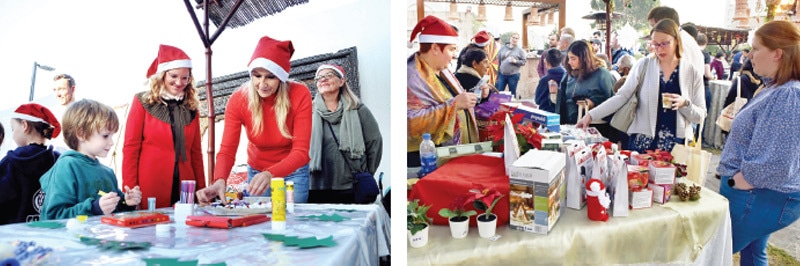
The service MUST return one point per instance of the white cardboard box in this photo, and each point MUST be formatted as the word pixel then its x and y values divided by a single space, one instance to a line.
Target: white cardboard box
pixel 662 173
pixel 542 174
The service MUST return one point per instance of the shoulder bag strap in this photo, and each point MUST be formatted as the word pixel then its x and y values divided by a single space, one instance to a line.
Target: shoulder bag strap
pixel 346 160
pixel 641 77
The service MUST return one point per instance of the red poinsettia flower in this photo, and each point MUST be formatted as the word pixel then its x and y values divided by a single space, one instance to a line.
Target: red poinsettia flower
pixel 486 195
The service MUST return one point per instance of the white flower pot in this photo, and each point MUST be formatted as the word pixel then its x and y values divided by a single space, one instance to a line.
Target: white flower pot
pixel 459 229
pixel 487 229
pixel 420 239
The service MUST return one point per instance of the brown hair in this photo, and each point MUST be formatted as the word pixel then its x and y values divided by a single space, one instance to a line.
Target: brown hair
pixel 669 27
pixel 589 62
pixel 43 129
pixel 157 85
pixel 663 12
pixel 785 36
pixel 425 47
pixel 86 117
pixel 70 80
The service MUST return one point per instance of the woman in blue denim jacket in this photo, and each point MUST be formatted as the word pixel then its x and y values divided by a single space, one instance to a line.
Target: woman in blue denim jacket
pixel 759 165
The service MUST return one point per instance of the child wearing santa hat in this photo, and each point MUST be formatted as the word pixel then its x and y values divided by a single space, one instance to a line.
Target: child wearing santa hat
pixel 437 103
pixel 276 115
pixel 78 184
pixel 20 193
pixel 164 115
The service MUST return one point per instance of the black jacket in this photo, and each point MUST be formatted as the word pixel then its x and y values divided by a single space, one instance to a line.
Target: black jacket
pixel 21 196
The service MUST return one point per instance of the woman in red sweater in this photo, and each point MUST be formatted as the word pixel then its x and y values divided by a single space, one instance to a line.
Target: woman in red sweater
pixel 162 134
pixel 276 115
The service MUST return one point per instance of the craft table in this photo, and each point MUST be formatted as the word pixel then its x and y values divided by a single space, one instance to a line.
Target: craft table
pixel 361 240
pixel 678 232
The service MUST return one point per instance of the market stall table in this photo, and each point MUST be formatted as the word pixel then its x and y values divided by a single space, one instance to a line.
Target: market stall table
pixel 678 232
pixel 712 135
pixel 360 240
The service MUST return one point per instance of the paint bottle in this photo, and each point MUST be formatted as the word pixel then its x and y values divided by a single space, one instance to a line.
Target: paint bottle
pixel 290 196
pixel 278 204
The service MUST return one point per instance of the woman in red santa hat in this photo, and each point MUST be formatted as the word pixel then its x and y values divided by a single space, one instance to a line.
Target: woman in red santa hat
pixel 162 134
pixel 21 196
pixel 276 115
pixel 437 104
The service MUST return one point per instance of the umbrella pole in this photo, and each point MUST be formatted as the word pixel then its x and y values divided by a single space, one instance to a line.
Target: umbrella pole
pixel 609 15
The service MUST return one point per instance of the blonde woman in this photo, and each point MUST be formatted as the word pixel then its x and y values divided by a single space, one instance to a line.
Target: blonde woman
pixel 162 132
pixel 276 115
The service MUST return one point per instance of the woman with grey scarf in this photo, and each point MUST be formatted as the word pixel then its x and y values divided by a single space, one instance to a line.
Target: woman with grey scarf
pixel 345 139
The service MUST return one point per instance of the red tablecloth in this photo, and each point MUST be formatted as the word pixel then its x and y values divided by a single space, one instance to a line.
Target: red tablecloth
pixel 455 178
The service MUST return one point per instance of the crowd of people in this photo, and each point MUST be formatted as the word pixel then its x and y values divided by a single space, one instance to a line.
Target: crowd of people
pixel 670 82
pixel 55 172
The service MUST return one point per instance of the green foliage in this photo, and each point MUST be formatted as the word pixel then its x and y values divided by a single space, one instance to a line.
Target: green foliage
pixel 480 205
pixel 417 216
pixel 449 214
pixel 636 15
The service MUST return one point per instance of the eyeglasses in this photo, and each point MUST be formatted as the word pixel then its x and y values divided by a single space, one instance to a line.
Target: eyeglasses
pixel 661 45
pixel 325 76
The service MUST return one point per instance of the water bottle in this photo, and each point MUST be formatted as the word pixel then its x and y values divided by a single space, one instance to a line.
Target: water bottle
pixel 427 155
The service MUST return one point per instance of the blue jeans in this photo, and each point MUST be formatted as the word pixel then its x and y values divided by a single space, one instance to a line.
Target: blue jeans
pixel 755 214
pixel 511 80
pixel 300 178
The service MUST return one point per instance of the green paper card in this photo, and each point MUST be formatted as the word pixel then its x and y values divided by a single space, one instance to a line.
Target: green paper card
pixel 176 262
pixel 308 242
pixel 325 242
pixel 114 245
pixel 324 217
pixel 48 225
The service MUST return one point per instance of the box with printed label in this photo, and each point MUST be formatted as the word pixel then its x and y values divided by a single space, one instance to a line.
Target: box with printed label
pixel 661 193
pixel 536 200
pixel 641 199
pixel 551 121
pixel 662 173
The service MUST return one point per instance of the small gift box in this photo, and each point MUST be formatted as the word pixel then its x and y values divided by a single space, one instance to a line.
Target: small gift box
pixel 641 159
pixel 661 192
pixel 638 177
pixel 641 199
pixel 662 173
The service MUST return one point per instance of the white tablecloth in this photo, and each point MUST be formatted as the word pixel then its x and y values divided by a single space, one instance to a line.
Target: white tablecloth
pixel 359 241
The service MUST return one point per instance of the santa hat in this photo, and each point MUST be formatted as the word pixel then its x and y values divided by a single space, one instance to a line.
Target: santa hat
pixel 482 38
pixel 274 56
pixel 36 113
pixel 434 30
pixel 336 68
pixel 169 57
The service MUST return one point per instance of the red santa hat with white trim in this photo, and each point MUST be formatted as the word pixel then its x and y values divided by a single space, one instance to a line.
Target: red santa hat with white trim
pixel 36 113
pixel 274 56
pixel 482 38
pixel 336 68
pixel 169 57
pixel 434 30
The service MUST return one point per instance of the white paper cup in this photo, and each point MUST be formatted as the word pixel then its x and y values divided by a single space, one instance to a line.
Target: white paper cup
pixel 182 210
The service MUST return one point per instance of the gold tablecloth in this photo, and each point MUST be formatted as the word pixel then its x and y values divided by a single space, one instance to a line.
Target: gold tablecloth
pixel 676 232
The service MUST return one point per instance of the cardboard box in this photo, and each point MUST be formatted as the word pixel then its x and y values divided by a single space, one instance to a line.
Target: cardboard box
pixel 641 159
pixel 551 121
pixel 638 177
pixel 446 153
pixel 537 176
pixel 641 199
pixel 662 173
pixel 661 193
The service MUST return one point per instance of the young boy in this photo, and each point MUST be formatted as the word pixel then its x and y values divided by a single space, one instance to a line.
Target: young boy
pixel 20 170
pixel 78 184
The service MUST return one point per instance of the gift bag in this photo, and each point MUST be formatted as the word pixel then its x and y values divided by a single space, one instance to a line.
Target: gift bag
pixel 618 187
pixel 578 171
pixel 695 158
pixel 725 119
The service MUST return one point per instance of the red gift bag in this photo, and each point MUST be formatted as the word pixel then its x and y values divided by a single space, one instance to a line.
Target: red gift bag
pixel 456 178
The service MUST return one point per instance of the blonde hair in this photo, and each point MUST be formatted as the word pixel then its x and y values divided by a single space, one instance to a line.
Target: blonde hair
pixel 785 36
pixel 281 108
pixel 347 94
pixel 86 117
pixel 157 85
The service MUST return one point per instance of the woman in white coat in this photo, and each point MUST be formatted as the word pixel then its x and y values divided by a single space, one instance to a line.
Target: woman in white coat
pixel 671 97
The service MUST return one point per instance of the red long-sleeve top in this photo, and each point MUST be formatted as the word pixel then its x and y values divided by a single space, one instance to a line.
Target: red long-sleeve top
pixel 268 151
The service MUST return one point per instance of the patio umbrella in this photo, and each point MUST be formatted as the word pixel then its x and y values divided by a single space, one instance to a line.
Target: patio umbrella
pixel 224 13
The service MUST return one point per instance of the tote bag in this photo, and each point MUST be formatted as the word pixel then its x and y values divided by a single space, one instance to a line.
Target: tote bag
pixel 623 118
pixel 694 157
pixel 725 119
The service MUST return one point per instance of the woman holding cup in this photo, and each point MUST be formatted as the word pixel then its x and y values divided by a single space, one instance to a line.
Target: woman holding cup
pixel 671 96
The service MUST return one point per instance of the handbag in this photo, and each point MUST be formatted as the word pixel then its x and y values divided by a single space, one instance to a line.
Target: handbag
pixel 694 157
pixel 365 187
pixel 725 119
pixel 622 119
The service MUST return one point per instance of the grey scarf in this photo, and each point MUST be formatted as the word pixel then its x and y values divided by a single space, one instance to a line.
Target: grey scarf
pixel 351 139
pixel 173 112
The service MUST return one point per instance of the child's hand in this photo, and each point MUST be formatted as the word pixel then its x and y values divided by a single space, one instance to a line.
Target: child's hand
pixel 108 202
pixel 133 196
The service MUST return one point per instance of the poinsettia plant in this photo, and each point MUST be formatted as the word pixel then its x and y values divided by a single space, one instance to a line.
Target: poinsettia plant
pixel 457 211
pixel 484 198
pixel 417 216
pixel 526 133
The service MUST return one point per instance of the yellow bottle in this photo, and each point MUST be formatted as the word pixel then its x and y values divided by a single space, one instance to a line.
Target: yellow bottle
pixel 278 203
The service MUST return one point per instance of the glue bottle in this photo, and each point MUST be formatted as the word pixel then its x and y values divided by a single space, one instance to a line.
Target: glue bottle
pixel 290 196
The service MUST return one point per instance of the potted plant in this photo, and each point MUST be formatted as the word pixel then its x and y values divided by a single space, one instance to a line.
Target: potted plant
pixel 418 223
pixel 485 199
pixel 458 217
